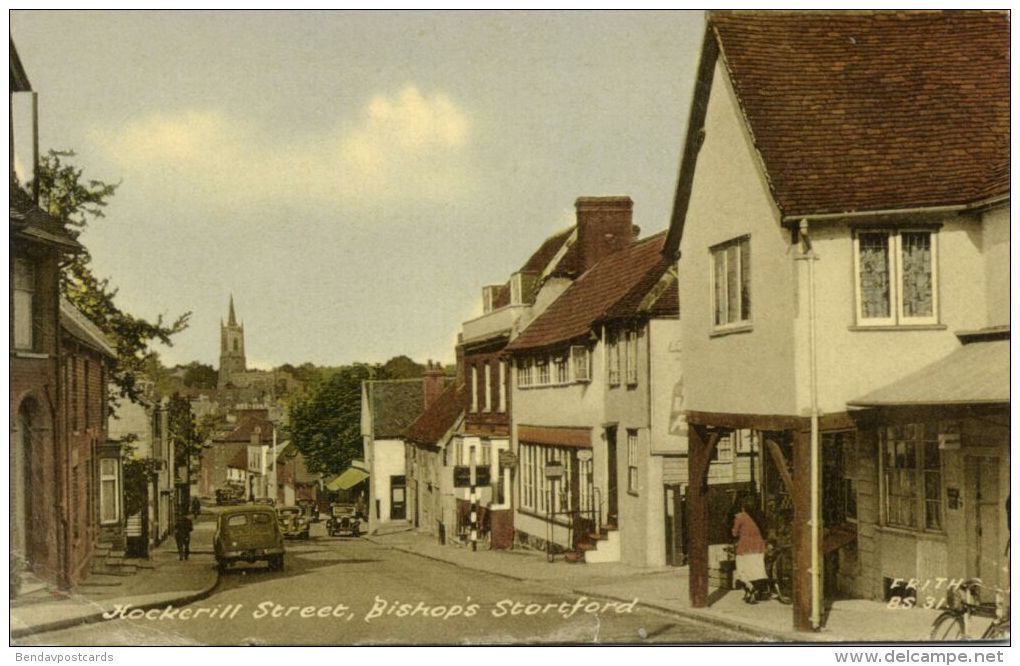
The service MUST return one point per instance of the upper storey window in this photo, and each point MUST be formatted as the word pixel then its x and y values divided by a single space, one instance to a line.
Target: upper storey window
pixel 896 278
pixel 731 283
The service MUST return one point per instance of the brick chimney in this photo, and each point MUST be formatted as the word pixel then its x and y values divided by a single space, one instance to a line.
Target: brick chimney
pixel 433 382
pixel 604 225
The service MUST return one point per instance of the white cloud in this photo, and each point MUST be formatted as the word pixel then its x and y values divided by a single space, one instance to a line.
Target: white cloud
pixel 405 146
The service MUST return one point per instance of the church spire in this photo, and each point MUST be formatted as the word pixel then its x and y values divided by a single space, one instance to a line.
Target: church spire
pixel 231 319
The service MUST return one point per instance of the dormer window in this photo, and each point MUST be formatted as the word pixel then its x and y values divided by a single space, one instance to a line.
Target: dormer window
pixel 516 289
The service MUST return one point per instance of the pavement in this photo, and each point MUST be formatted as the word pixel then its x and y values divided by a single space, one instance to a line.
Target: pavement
pixel 666 589
pixel 161 579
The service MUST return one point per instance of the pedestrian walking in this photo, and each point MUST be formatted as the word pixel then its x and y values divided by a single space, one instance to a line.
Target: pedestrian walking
pixel 750 550
pixel 182 534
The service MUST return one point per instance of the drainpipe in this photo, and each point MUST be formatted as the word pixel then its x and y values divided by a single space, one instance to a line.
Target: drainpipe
pixel 815 521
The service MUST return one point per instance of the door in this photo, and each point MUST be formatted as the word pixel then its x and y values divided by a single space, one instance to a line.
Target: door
pixel 612 499
pixel 673 497
pixel 21 446
pixel 398 498
pixel 981 505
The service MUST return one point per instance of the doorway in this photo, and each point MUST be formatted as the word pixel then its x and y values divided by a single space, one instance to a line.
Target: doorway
pixel 19 485
pixel 981 506
pixel 674 528
pixel 398 498
pixel 612 499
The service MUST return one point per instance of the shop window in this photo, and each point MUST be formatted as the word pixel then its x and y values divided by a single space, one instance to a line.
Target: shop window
pixel 912 477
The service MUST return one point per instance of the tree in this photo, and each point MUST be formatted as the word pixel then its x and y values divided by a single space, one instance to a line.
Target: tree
pixel 326 426
pixel 200 375
pixel 67 196
pixel 401 367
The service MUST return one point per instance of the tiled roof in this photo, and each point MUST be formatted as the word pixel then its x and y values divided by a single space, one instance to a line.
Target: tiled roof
pixel 614 281
pixel 243 431
pixel 81 328
pixel 395 405
pixel 27 219
pixel 633 302
pixel 440 416
pixel 976 373
pixel 857 111
pixel 544 254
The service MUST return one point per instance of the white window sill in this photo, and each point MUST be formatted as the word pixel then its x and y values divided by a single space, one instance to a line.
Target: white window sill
pixel 895 327
pixel 28 354
pixel 731 330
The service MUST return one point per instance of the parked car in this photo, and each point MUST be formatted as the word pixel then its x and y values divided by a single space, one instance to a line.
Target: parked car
pixel 343 520
pixel 293 522
pixel 229 495
pixel 310 509
pixel 248 533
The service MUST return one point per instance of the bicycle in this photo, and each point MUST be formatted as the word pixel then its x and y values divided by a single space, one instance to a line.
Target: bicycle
pixel 964 602
pixel 779 568
pixel 779 565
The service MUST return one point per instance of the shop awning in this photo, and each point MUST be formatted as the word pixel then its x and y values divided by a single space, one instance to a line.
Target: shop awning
pixel 351 477
pixel 976 373
pixel 578 438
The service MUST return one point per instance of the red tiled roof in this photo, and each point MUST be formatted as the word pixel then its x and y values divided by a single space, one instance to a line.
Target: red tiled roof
pixel 856 111
pixel 545 253
pixel 239 460
pixel 594 295
pixel 439 417
pixel 244 430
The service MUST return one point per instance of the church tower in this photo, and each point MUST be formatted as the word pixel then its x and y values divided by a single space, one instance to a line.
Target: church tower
pixel 231 347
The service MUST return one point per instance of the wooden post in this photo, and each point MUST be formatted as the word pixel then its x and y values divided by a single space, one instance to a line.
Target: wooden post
pixel 699 451
pixel 802 531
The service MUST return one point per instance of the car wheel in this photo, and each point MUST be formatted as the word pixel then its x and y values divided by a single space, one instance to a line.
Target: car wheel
pixel 278 563
pixel 221 566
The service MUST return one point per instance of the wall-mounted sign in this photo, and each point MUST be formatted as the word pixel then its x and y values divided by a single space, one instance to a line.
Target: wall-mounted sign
pixel 554 470
pixel 507 459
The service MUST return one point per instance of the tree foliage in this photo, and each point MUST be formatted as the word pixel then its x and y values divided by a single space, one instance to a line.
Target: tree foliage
pixel 400 367
pixel 200 375
pixel 69 197
pixel 326 426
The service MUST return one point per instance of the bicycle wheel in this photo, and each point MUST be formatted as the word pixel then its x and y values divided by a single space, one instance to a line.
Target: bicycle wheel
pixel 781 573
pixel 948 627
pixel 997 631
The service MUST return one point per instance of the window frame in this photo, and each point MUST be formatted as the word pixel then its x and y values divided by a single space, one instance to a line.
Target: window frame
pixel 920 471
pixel 580 357
pixel 24 309
pixel 894 248
pixel 633 480
pixel 487 378
pixel 631 338
pixel 715 252
pixel 613 362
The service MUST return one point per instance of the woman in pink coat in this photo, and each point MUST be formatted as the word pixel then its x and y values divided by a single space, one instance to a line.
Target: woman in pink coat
pixel 750 549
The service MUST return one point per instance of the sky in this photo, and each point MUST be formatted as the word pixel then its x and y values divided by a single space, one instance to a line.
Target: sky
pixel 353 179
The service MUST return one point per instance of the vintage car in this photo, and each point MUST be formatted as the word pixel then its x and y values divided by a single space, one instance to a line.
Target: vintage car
pixel 268 501
pixel 293 522
pixel 310 509
pixel 229 495
pixel 343 519
pixel 248 533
